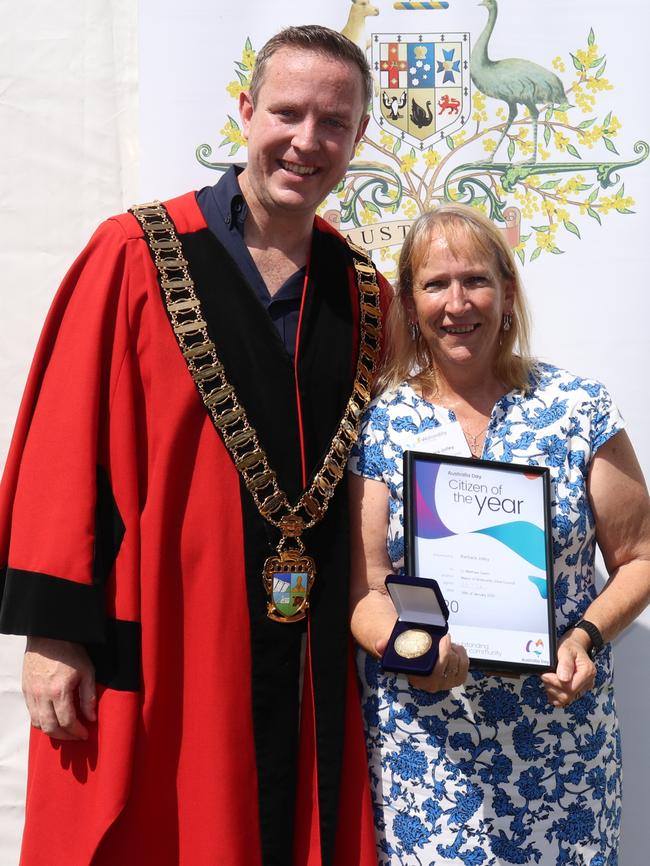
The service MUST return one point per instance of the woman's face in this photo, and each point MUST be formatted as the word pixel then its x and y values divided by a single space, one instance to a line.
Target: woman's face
pixel 459 304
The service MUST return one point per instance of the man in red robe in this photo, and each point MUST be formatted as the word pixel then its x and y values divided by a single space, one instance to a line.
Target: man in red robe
pixel 170 722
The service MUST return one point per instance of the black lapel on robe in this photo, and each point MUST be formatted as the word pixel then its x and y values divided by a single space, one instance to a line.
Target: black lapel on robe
pixel 327 362
pixel 261 371
pixel 325 368
pixel 248 345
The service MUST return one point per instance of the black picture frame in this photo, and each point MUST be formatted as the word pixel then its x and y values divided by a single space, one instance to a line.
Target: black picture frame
pixel 421 515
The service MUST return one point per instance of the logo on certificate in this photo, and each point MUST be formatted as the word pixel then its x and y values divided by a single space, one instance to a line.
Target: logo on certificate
pixel 535 647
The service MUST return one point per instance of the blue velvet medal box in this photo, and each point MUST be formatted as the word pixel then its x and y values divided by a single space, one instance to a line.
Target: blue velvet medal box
pixel 420 606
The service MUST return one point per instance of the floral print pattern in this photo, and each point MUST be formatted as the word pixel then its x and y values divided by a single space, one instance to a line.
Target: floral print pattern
pixel 490 773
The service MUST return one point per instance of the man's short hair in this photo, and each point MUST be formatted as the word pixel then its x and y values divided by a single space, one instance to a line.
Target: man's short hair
pixel 318 39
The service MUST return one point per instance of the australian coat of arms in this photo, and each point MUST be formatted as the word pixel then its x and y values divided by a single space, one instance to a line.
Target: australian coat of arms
pixel 423 91
pixel 523 141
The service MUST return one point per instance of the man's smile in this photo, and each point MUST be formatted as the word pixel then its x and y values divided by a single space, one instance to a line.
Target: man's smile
pixel 296 168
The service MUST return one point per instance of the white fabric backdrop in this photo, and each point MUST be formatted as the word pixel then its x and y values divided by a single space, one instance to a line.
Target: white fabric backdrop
pixel 68 158
pixel 71 154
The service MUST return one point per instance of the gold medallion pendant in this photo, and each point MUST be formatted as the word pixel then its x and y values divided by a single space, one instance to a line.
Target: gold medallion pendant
pixel 288 578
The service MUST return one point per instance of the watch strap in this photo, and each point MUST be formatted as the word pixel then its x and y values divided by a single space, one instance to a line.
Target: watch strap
pixel 596 637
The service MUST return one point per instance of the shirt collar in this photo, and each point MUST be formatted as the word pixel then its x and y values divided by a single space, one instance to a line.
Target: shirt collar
pixel 230 201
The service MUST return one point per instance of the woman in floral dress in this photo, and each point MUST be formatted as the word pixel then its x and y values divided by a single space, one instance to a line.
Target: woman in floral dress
pixel 473 768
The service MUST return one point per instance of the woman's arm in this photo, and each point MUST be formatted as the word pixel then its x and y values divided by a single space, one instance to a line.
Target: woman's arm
pixel 621 507
pixel 372 613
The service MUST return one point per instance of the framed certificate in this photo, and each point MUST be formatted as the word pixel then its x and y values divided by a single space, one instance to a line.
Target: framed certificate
pixel 483 530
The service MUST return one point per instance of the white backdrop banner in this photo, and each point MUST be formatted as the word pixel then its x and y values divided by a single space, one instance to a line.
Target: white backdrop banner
pixel 569 188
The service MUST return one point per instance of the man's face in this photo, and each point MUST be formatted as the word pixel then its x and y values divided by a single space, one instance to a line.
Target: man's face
pixel 309 116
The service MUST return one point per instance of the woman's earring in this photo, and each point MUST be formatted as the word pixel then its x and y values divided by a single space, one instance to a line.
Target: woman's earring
pixel 414 330
pixel 507 321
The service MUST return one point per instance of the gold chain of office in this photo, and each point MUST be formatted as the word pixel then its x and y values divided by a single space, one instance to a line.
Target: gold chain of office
pixel 229 417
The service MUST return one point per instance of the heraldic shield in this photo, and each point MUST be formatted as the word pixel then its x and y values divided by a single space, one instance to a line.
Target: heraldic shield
pixel 424 84
pixel 288 579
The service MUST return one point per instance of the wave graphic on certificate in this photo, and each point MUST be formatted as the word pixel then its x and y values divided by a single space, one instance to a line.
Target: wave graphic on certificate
pixel 480 530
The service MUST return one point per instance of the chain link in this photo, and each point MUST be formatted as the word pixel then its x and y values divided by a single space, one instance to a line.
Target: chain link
pixel 229 417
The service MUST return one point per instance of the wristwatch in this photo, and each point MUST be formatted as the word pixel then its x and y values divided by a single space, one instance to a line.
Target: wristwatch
pixel 596 637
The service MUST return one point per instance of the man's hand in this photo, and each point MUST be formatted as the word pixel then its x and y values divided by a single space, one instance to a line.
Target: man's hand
pixel 54 672
pixel 575 673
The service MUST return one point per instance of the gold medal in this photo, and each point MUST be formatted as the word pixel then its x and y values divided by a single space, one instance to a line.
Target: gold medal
pixel 413 643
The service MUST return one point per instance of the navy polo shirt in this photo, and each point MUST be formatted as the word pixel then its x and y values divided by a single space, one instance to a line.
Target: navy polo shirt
pixel 225 211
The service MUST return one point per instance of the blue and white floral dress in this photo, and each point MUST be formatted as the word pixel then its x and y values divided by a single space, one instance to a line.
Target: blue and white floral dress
pixel 490 773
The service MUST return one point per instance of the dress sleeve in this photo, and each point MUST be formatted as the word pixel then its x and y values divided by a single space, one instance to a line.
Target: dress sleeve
pixel 367 456
pixel 60 528
pixel 606 420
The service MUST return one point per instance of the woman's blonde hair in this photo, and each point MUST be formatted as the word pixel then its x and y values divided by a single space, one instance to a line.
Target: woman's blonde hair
pixel 409 358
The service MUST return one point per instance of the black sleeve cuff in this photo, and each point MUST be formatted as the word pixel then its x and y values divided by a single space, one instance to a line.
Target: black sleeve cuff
pixel 45 606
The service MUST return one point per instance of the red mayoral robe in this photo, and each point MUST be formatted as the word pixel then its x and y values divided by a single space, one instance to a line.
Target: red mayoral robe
pixel 124 526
